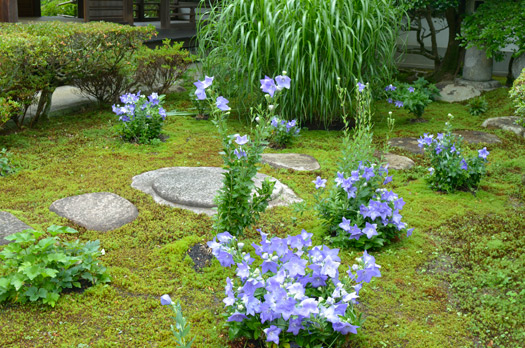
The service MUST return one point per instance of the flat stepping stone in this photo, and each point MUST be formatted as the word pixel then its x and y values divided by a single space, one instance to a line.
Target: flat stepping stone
pixel 99 211
pixel 194 188
pixel 477 137
pixel 294 161
pixel 398 162
pixel 409 144
pixel 456 93
pixel 9 224
pixel 507 123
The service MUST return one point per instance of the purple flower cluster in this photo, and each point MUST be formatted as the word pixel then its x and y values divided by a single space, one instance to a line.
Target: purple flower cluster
pixel 138 103
pixel 282 125
pixel 279 288
pixel 372 213
pixel 450 170
pixel 444 144
pixel 200 93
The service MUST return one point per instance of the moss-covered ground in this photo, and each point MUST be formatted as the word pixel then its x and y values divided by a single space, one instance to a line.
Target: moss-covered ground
pixel 457 282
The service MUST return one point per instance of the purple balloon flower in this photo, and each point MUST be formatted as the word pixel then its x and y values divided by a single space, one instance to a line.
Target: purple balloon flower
pixel 464 165
pixel 360 86
pixel 222 103
pixel 390 87
pixel 241 140
pixel 319 182
pixel 483 153
pixel 398 103
pixel 165 300
pixel 411 89
pixel 283 81
pixel 268 86
pixel 272 334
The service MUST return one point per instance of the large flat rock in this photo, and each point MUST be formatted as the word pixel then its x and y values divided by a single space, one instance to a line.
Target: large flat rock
pixel 507 123
pixel 99 211
pixel 294 161
pixel 9 224
pixel 398 162
pixel 469 136
pixel 409 144
pixel 456 93
pixel 477 137
pixel 194 188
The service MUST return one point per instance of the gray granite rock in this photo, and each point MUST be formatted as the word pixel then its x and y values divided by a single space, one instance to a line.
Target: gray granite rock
pixel 479 85
pixel 398 162
pixel 477 137
pixel 194 188
pixel 293 161
pixel 9 224
pixel 455 93
pixel 409 144
pixel 99 211
pixel 477 66
pixel 507 123
pixel 518 65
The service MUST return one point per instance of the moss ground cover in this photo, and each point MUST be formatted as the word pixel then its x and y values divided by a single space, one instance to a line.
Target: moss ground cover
pixel 425 298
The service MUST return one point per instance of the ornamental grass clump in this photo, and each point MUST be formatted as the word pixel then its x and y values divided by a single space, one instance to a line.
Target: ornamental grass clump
pixel 450 170
pixel 295 295
pixel 239 201
pixel 314 40
pixel 141 118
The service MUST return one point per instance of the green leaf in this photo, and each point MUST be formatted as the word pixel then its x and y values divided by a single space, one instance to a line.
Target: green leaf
pixel 48 272
pixel 32 272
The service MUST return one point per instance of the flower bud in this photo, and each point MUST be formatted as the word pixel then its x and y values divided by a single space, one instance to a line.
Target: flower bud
pixel 240 245
pixel 271 107
pixel 284 72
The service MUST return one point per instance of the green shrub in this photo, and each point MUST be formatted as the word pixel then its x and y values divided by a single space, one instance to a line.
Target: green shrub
pixel 6 167
pixel 39 57
pixel 159 68
pixel 8 109
pixel 314 41
pixel 52 8
pixel 35 269
pixel 415 98
pixel 517 94
pixel 478 106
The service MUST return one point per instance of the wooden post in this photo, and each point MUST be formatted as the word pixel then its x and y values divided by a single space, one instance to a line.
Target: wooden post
pixel 165 17
pixel 8 11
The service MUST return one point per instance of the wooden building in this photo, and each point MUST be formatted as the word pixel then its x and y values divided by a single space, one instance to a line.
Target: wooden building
pixel 119 11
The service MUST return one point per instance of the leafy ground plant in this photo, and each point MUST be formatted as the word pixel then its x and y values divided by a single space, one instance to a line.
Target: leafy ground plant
pixel 357 206
pixel 237 206
pixel 181 329
pixel 36 269
pixel 295 295
pixel 141 119
pixel 450 170
pixel 415 98
pixel 478 106
pixel 6 167
pixel 283 133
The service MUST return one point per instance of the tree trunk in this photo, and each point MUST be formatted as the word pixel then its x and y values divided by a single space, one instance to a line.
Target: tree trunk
pixel 452 59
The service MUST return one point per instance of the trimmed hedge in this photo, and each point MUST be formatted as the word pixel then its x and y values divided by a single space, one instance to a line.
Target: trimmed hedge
pixel 37 58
